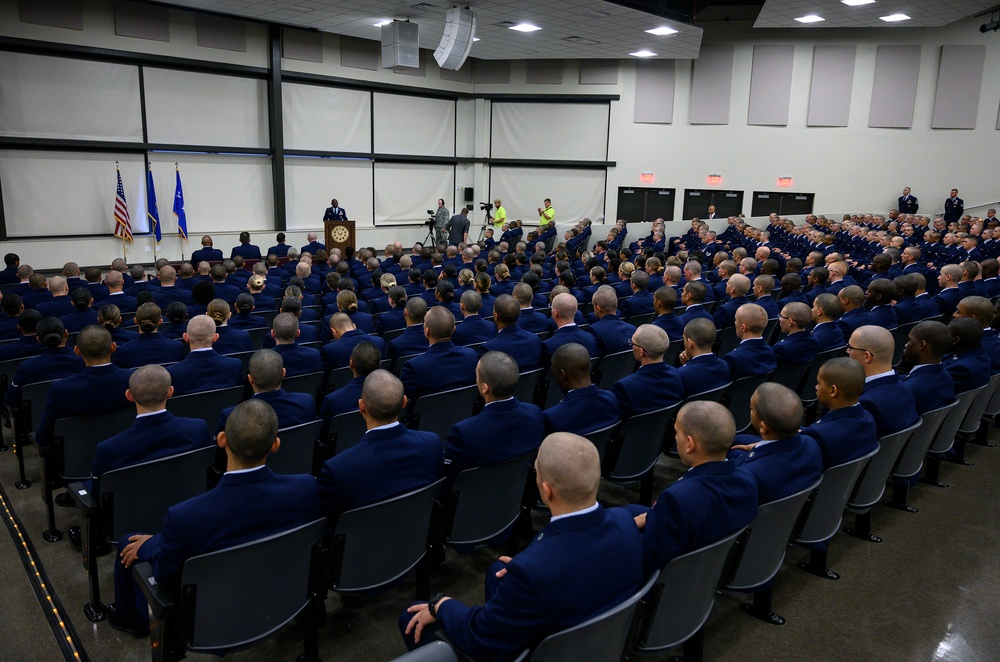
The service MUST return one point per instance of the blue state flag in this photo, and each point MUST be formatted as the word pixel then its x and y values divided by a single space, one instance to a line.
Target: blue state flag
pixel 152 213
pixel 182 226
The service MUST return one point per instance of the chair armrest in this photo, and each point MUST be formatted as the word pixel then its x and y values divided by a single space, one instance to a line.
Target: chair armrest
pixel 158 598
pixel 82 497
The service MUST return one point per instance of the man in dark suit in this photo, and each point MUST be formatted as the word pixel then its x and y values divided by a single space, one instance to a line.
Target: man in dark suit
pixel 564 309
pixel 736 290
pixel 203 369
pixel 655 384
pixel 701 370
pixel 27 341
pixel 585 407
pixel 954 207
pixel 711 501
pixel 610 331
pixel 891 404
pixel 223 290
pixel 969 366
pixel 907 203
pixel 931 385
pixel 539 591
pixel 39 292
pixel 753 356
pixel 444 365
pixel 281 248
pixel 206 253
pixel 852 301
pixel 846 431
pixel 313 246
pixel 505 428
pixel 763 292
pixel 115 283
pixel 59 304
pixel 664 300
pixel 298 360
pixel 335 212
pixel 949 296
pixel 168 292
pixel 412 340
pixel 826 309
pixel 798 346
pixel 337 354
pixel 265 373
pixel 692 296
pixel 220 517
pixel 879 296
pixel 906 307
pixel 389 460
pixel 982 310
pixel 246 250
pixel 523 346
pixel 473 329
pixel 783 461
pixel 641 301
pixel 365 359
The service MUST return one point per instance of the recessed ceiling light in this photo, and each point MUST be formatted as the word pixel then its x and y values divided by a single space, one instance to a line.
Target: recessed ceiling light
pixel 857 3
pixel 662 30
pixel 524 27
pixel 643 53
pixel 895 18
pixel 381 23
pixel 811 18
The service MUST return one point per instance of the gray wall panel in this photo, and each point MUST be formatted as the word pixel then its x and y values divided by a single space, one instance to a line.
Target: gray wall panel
pixel 359 53
pixel 654 92
pixel 894 89
pixel 544 72
pixel 770 85
pixel 492 72
pixel 960 78
pixel 463 75
pixel 304 45
pixel 832 82
pixel 142 21
pixel 66 14
pixel 228 34
pixel 711 87
pixel 599 72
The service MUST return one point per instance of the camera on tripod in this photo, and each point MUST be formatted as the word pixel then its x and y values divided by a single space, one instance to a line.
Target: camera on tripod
pixel 485 206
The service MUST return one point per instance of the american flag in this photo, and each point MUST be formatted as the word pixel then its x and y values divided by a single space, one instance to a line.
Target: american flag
pixel 123 224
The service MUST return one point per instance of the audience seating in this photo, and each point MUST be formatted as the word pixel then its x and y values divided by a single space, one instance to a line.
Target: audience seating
pixel 726 341
pixel 601 438
pixel 791 375
pixel 310 383
pixel 911 460
pixel 944 441
pixel 435 651
pixel 529 385
pixel 299 452
pixel 972 421
pixel 24 420
pixel 613 367
pixel 257 336
pixel 899 336
pixel 206 405
pixel 636 448
pixel 346 430
pixel 738 396
pixel 438 412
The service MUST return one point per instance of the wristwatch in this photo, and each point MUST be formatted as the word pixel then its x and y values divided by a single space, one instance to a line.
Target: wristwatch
pixel 431 606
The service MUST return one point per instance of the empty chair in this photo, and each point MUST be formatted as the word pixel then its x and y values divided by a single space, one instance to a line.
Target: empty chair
pixel 972 422
pixel 636 448
pixel 346 430
pixel 528 384
pixel 298 452
pixel 206 405
pixel 911 460
pixel 437 412
pixel 827 512
pixel 229 581
pixel 375 545
pixel 738 398
pixel 24 421
pixel 944 440
pixel 484 502
pixel 764 552
pixel 871 485
pixel 682 599
pixel 613 367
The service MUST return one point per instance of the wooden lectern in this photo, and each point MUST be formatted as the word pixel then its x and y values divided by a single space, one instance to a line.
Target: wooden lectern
pixel 339 234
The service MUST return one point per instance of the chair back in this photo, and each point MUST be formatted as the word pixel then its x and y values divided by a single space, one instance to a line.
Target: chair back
pixel 899 336
pixel 136 498
pixel 808 390
pixel 673 351
pixel 377 544
pixel 309 383
pixel 973 417
pixel 346 430
pixel 206 405
pixel 871 485
pixel 791 375
pixel 641 438
pixel 769 535
pixel 244 358
pixel 911 460
pixel 993 406
pixel 389 336
pixel 527 384
pixel 613 367
pixel 685 594
pixel 437 412
pixel 397 368
pixel 727 340
pixel 7 370
pixel 339 378
pixel 712 395
pixel 601 438
pixel 639 320
pixel 945 437
pixel 487 500
pixel 79 436
pixel 256 604
pixel 739 395
pixel 828 507
pixel 32 403
pixel 257 336
pixel 435 651
pixel 297 453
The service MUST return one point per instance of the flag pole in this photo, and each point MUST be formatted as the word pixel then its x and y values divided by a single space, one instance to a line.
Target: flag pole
pixel 124 251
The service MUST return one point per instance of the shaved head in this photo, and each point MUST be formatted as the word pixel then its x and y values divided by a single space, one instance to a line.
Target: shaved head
pixel 710 423
pixel 149 385
pixel 571 466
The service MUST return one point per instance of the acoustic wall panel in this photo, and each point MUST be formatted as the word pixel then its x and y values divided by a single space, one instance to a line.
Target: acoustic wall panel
pixel 832 82
pixel 599 72
pixel 770 85
pixel 463 75
pixel 711 85
pixel 359 53
pixel 66 14
pixel 142 21
pixel 894 89
pixel 960 78
pixel 304 45
pixel 327 119
pixel 567 131
pixel 492 72
pixel 227 34
pixel 654 92
pixel 544 72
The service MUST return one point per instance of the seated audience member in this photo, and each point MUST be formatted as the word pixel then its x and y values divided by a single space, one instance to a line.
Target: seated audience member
pixel 168 291
pixel 981 310
pixel 753 356
pixel 365 359
pixel 522 345
pixel 931 385
pixel 693 296
pixel 388 461
pixel 230 340
pixel 763 291
pixel 585 407
pixel 826 309
pixel 256 286
pixel 265 372
pixel 307 332
pixel 150 346
pixel 12 306
pixel 27 343
pixel 611 332
pixel 539 592
pixel 736 291
pixel 505 428
pixel 55 362
pixel 968 365
pixel 641 300
pixel 177 319
pixel 298 360
pixel 204 369
pixel 701 370
pixel 219 518
pixel 879 296
pixel 337 354
pixel 202 294
pixel 783 461
pixel 473 329
pixel 246 250
pixel 60 303
pixel 564 309
pixel 38 292
pixel 655 384
pixel 392 318
pixel 664 300
pixel 798 346
pixel 712 500
pixel 206 253
pixel 83 313
pixel 846 431
pixel 244 318
pixel 852 300
pixel 444 365
pixel 891 404
pixel 223 290
pixel 412 340
pixel 906 306
pixel 949 296
pixel 111 319
pixel 347 302
pixel 530 319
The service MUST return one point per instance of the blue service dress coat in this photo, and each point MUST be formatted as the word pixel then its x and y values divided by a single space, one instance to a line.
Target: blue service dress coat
pixel 796 349
pixel 612 334
pixel 694 311
pixel 969 369
pixel 52 363
pixel 844 434
pixel 751 357
pixel 523 346
pixel 931 385
pixel 299 360
pixel 582 410
pixel 780 467
pixel 205 370
pixel 94 390
pixel 890 403
pixel 148 349
pixel 473 329
pixel 411 341
pixel 671 325
pixel 652 386
pixel 704 372
pixel 501 431
pixel 291 408
pixel 337 354
pixel 442 367
pixel 828 335
pixel 565 335
pixel 852 319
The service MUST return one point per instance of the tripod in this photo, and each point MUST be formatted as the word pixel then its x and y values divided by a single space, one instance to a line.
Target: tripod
pixel 430 239
pixel 486 222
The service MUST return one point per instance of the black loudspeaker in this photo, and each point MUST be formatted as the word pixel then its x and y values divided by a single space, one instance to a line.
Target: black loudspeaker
pixel 470 194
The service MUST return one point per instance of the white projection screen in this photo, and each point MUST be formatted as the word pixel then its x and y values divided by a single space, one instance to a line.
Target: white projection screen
pixel 414 125
pixel 404 192
pixel 575 194
pixel 564 131
pixel 326 119
pixel 68 193
pixel 310 183
pixel 52 97
pixel 205 109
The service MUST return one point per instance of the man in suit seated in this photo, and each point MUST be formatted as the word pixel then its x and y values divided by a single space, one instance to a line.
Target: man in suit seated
pixel 564 309
pixel 27 340
pixel 610 331
pixel 204 369
pixel 539 592
pixel 641 301
pixel 852 301
pixel 889 401
pixel 206 253
pixel 444 365
pixel 219 518
pixel 169 291
pixel 879 296
pixel 530 319
pixel 753 356
pixel 59 304
pixel 116 295
pixel 223 290
pixel 265 373
pixel 246 250
pixel 523 346
pixel 969 366
pixel 337 354
pixel 692 297
pixel 701 370
pixel 798 346
pixel 931 385
pixel 388 461
pixel 56 361
pixel 949 296
pixel 298 360
pixel 412 340
pixel 981 310
pixel 846 431
pixel 365 359
pixel 473 329
pixel 906 306
pixel 664 300
pixel 585 407
pixel 782 461
pixel 763 291
pixel 655 384
pixel 711 501
pixel 826 309
pixel 505 428
pixel 313 246
pixel 736 290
